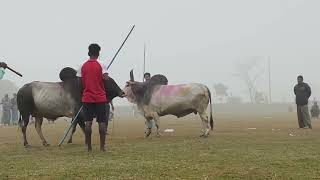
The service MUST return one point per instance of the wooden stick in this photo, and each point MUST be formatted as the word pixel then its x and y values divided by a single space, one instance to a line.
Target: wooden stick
pixel 14 71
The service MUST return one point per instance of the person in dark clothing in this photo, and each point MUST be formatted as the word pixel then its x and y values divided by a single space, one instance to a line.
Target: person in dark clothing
pixel 146 77
pixel 14 110
pixel 6 114
pixel 315 111
pixel 303 92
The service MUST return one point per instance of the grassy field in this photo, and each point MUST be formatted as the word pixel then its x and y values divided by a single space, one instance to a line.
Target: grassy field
pixel 276 149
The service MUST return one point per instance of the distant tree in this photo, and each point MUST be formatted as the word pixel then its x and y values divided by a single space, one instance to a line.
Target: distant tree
pixel 220 89
pixel 260 98
pixel 249 72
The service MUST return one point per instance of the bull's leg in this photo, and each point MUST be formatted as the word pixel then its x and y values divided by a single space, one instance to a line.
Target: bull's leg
pixel 205 124
pixel 74 128
pixel 38 125
pixel 82 125
pixel 148 128
pixel 23 125
pixel 157 121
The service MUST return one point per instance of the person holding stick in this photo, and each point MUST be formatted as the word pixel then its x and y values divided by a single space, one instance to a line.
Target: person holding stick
pixel 81 108
pixel 94 97
pixel 3 66
pixel 14 110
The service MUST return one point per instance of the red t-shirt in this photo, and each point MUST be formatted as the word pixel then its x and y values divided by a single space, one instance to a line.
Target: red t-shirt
pixel 92 80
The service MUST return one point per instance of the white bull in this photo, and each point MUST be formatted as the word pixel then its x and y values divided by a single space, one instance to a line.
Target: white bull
pixel 155 99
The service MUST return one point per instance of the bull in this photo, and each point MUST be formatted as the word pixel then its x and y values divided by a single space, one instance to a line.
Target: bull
pixel 156 98
pixel 52 100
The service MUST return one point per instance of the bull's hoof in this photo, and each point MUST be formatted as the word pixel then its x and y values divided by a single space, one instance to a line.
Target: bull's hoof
pixel 103 149
pixel 46 144
pixel 204 135
pixel 70 141
pixel 158 135
pixel 89 149
pixel 148 133
pixel 27 146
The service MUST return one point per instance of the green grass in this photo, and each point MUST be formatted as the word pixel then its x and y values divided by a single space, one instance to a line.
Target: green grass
pixel 233 152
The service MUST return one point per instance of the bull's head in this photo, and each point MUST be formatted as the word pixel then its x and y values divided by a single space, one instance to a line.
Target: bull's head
pixel 132 89
pixel 112 89
pixel 137 91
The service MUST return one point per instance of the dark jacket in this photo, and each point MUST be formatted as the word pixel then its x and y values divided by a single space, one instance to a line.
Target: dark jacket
pixel 303 93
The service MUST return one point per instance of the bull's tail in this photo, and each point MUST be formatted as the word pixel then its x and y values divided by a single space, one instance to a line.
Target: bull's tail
pixel 211 117
pixel 25 104
pixel 20 122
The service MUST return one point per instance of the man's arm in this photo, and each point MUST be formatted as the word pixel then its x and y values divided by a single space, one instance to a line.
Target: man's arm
pixel 295 89
pixel 308 89
pixel 105 73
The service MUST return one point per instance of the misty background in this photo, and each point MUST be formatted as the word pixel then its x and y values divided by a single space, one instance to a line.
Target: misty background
pixel 188 41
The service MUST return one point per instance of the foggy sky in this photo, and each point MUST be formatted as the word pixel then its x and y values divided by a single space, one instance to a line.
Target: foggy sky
pixel 188 41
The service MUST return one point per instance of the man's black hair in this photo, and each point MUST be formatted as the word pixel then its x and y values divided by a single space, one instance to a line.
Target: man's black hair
pixel 94 50
pixel 146 74
pixel 300 77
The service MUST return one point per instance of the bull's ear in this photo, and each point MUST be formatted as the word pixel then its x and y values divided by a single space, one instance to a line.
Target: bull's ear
pixel 131 76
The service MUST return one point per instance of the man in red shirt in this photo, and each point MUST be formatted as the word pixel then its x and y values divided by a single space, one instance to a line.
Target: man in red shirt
pixel 94 97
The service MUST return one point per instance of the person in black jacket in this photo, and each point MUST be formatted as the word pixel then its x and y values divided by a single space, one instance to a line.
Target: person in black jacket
pixel 303 92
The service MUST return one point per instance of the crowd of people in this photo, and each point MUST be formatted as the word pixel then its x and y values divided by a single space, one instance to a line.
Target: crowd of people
pixel 10 114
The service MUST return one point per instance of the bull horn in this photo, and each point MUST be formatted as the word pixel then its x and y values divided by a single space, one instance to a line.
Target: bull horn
pixel 131 76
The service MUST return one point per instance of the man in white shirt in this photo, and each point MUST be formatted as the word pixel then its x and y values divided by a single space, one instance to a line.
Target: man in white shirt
pixel 3 66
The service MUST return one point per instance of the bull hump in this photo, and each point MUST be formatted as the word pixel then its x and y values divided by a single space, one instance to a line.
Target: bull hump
pixel 174 90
